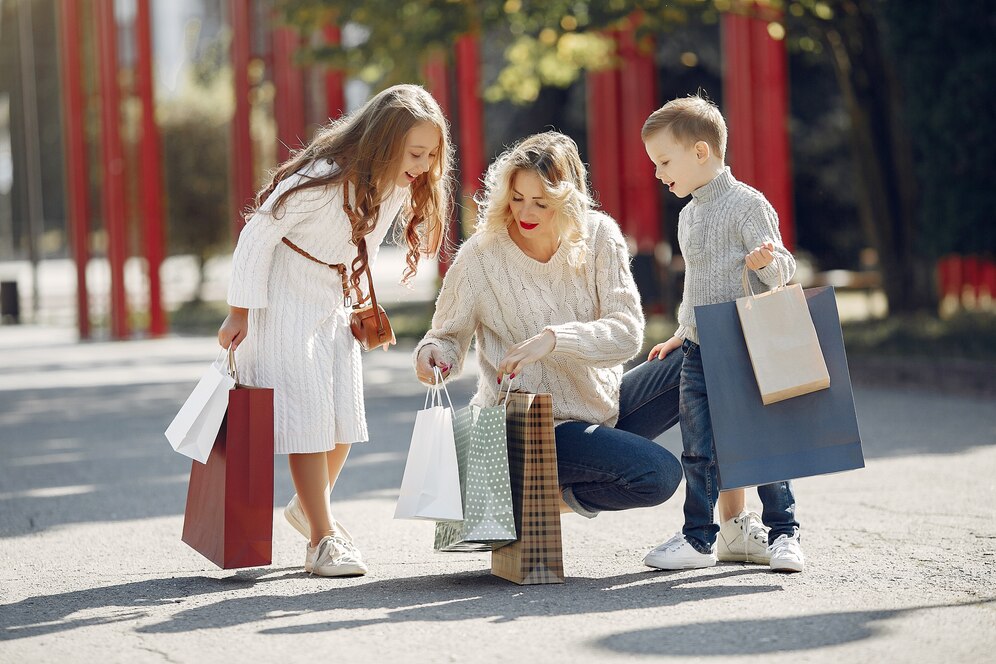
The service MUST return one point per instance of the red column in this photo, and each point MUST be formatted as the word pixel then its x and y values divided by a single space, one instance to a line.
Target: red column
pixel 335 80
pixel 437 76
pixel 150 168
pixel 756 93
pixel 289 103
pixel 243 181
pixel 468 71
pixel 638 87
pixel 604 139
pixel 78 207
pixel 113 163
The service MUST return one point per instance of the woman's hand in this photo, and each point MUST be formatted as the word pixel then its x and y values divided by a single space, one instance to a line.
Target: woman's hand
pixel 761 256
pixel 529 351
pixel 661 350
pixel 428 359
pixel 234 329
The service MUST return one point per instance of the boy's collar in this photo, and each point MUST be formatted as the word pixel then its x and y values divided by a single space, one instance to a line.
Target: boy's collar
pixel 716 187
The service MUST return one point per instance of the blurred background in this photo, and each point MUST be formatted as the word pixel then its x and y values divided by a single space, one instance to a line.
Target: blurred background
pixel 134 133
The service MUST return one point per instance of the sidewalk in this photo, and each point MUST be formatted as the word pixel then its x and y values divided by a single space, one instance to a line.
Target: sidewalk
pixel 900 555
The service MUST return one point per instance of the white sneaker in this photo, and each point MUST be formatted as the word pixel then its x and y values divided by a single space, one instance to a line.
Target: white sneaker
pixel 677 553
pixel 334 556
pixel 745 527
pixel 295 517
pixel 786 554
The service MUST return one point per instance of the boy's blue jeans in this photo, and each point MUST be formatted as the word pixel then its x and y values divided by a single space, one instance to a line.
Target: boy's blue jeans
pixel 699 461
pixel 621 467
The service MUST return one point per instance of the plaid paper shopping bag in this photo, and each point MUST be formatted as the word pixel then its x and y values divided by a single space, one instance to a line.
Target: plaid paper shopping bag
pixel 537 556
pixel 229 513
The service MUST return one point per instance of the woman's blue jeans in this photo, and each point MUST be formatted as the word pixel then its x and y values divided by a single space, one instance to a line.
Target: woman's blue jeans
pixel 618 468
pixel 699 462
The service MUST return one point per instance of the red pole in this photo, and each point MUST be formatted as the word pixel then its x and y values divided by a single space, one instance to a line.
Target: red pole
pixel 243 181
pixel 335 97
pixel 437 76
pixel 638 86
pixel 150 168
pixel 113 163
pixel 604 139
pixel 468 71
pixel 76 161
pixel 289 103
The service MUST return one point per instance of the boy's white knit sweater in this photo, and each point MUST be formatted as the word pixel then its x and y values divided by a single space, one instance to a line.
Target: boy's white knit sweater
pixel 501 296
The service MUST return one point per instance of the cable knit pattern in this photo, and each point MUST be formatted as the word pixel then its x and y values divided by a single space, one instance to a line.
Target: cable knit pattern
pixel 724 221
pixel 299 341
pixel 501 296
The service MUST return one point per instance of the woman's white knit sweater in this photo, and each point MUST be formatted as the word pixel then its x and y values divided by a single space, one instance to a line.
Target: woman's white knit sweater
pixel 501 296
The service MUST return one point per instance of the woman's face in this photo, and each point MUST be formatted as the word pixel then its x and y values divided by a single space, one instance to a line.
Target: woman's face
pixel 420 153
pixel 531 210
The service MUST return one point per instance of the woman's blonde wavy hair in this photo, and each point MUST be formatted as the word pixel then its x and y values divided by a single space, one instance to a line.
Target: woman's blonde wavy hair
pixel 554 158
pixel 368 147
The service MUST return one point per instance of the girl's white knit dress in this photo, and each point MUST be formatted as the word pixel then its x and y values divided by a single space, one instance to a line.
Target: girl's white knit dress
pixel 299 341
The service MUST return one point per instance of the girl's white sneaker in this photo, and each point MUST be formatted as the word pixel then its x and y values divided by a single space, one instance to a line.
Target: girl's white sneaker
pixel 334 556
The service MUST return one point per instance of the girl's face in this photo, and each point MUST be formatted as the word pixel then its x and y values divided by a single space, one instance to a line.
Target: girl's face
pixel 682 169
pixel 420 153
pixel 531 210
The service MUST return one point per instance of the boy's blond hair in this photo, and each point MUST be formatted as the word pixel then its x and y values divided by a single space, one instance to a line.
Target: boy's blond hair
pixel 690 119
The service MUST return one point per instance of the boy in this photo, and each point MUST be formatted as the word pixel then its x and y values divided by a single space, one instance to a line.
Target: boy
pixel 725 225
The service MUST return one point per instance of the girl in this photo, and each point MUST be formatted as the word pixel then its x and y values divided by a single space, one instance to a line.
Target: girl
pixel 335 200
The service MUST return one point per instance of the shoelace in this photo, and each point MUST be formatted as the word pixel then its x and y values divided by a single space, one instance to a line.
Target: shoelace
pixel 783 542
pixel 337 550
pixel 672 544
pixel 751 528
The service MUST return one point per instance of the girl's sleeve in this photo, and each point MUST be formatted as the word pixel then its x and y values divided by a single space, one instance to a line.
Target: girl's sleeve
pixel 455 318
pixel 760 226
pixel 259 239
pixel 617 335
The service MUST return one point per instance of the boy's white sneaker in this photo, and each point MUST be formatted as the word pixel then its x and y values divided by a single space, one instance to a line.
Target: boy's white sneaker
pixel 747 528
pixel 334 556
pixel 677 553
pixel 786 554
pixel 294 514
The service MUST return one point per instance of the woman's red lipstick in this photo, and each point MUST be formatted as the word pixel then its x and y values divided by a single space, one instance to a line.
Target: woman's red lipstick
pixel 527 226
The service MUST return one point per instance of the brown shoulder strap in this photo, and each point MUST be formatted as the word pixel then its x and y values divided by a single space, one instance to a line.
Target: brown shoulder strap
pixel 338 267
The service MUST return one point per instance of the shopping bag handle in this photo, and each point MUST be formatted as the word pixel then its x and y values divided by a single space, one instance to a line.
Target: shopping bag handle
pixel 749 290
pixel 435 389
pixel 508 391
pixel 233 370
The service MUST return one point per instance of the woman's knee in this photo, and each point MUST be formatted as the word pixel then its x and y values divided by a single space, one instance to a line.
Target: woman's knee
pixel 659 482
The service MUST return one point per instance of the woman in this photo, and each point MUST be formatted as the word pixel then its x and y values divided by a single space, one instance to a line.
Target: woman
pixel 545 287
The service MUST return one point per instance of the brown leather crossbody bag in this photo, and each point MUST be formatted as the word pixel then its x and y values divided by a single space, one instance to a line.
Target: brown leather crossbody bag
pixel 368 321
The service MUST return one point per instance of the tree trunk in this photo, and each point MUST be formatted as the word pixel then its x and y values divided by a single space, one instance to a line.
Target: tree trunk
pixel 883 156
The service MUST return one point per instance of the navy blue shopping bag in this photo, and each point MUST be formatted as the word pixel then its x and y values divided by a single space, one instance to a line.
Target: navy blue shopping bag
pixel 812 434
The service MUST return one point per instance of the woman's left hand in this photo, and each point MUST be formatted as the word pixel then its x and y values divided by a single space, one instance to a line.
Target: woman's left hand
pixel 529 351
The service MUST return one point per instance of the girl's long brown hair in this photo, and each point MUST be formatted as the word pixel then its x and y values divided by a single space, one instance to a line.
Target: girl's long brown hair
pixel 368 148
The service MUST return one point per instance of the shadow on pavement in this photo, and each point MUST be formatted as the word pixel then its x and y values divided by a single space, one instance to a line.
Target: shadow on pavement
pixel 733 638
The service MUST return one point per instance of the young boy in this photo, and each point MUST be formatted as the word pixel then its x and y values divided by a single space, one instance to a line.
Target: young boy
pixel 725 225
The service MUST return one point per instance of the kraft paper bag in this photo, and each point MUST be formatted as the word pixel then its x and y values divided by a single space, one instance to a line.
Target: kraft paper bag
pixel 537 556
pixel 229 513
pixel 812 434
pixel 430 488
pixel 194 429
pixel 782 343
pixel 486 489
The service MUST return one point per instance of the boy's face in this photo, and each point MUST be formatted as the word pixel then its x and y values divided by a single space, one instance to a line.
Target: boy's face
pixel 682 169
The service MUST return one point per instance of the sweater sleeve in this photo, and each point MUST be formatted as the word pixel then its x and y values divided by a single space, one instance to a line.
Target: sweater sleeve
pixel 455 318
pixel 760 226
pixel 617 335
pixel 262 233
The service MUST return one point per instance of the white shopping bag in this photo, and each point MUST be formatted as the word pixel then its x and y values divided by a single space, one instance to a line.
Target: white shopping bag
pixel 430 488
pixel 193 431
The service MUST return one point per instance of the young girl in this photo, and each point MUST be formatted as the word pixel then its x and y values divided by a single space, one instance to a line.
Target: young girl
pixel 335 200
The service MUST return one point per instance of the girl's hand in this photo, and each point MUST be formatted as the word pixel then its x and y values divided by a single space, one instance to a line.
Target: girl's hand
pixel 529 351
pixel 429 358
pixel 234 329
pixel 661 350
pixel 761 256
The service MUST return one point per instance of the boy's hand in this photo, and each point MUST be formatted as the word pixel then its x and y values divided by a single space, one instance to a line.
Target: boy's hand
pixel 661 350
pixel 428 359
pixel 761 256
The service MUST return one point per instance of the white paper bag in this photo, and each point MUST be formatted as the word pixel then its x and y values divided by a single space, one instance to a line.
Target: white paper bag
pixel 430 488
pixel 782 343
pixel 193 431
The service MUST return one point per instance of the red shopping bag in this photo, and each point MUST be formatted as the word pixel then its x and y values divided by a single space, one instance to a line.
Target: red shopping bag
pixel 229 514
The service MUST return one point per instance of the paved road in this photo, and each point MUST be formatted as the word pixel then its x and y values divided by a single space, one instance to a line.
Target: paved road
pixel 901 554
